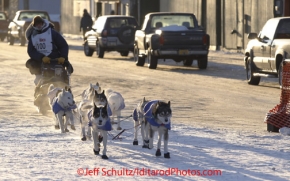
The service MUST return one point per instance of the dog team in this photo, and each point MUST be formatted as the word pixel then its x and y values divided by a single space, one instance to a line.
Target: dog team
pixel 98 110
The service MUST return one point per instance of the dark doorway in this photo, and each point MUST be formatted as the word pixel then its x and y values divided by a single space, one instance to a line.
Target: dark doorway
pixel 287 8
pixel 148 6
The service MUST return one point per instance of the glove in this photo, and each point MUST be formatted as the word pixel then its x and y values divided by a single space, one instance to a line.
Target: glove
pixel 61 60
pixel 46 60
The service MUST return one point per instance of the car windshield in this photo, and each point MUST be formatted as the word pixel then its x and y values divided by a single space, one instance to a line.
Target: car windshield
pixel 31 15
pixel 159 21
pixel 2 16
pixel 283 29
pixel 120 22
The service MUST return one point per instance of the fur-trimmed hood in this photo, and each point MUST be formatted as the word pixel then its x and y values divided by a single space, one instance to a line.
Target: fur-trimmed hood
pixel 31 31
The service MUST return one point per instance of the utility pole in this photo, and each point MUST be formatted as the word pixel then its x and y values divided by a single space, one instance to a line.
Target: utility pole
pixel 2 5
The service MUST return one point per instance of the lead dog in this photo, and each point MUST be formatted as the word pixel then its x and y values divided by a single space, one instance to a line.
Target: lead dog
pixel 84 106
pixel 116 105
pixel 62 106
pixel 100 123
pixel 94 98
pixel 157 118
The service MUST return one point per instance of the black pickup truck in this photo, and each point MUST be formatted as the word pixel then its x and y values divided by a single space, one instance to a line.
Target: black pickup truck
pixel 166 35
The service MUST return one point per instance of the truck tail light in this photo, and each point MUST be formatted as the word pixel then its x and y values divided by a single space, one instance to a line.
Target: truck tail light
pixel 161 40
pixel 104 33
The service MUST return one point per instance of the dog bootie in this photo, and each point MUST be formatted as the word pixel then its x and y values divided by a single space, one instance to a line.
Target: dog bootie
pixel 167 155
pixel 56 127
pixel 158 152
pixel 96 152
pixel 104 157
pixel 84 138
pixel 135 142
pixel 66 130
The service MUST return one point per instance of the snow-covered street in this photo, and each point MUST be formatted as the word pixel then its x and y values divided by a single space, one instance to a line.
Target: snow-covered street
pixel 217 127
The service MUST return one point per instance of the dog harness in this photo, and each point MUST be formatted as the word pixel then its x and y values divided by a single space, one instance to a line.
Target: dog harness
pixel 106 127
pixel 56 107
pixel 149 116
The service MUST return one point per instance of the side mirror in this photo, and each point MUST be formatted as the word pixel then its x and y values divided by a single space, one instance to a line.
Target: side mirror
pixel 200 27
pixel 252 35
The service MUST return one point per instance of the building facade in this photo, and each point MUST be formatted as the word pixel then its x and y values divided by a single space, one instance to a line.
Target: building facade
pixel 228 22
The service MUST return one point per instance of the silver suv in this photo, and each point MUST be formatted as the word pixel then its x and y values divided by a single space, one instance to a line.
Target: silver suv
pixel 111 33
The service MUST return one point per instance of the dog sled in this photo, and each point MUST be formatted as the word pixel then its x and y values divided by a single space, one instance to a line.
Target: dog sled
pixel 52 73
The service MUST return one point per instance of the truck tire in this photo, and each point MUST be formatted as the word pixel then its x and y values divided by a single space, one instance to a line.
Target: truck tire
pixel 11 40
pixel 202 62
pixel 22 41
pixel 100 50
pixel 152 60
pixel 140 61
pixel 87 50
pixel 187 62
pixel 249 70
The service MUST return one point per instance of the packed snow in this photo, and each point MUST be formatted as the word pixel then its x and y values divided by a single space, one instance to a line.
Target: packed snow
pixel 31 148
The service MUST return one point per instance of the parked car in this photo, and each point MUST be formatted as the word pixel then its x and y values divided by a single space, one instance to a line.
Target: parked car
pixel 4 22
pixel 266 51
pixel 21 20
pixel 167 35
pixel 111 33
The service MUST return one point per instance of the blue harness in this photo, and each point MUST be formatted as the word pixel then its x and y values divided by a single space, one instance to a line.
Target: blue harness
pixel 149 116
pixel 56 107
pixel 106 127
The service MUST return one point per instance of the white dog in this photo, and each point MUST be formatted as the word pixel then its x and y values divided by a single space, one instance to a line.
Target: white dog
pixel 52 93
pixel 100 123
pixel 89 92
pixel 157 118
pixel 116 105
pixel 62 106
